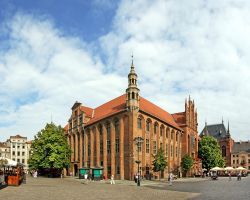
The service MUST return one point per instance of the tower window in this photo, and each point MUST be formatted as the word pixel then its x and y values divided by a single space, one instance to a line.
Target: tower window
pixel 133 95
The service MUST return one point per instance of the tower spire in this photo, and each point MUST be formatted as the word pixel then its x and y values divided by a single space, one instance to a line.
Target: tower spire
pixel 222 120
pixel 132 92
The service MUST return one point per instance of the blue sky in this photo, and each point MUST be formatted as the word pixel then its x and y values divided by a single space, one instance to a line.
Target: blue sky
pixel 53 53
pixel 86 19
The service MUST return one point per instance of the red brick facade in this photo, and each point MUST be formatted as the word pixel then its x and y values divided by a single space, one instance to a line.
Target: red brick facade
pixel 104 136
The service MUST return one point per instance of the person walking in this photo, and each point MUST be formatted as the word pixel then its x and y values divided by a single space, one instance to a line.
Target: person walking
pixel 229 175
pixel 170 179
pixel 86 178
pixel 112 179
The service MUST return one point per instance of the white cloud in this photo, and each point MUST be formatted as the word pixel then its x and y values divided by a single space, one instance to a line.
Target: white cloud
pixel 44 73
pixel 195 47
pixel 188 47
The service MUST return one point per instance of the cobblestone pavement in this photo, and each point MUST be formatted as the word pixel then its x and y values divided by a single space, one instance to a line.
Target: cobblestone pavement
pixel 74 189
pixel 221 189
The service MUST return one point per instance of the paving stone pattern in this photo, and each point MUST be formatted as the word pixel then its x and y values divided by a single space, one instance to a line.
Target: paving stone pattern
pixel 73 189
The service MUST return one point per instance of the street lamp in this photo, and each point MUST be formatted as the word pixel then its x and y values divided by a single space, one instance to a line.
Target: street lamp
pixel 138 141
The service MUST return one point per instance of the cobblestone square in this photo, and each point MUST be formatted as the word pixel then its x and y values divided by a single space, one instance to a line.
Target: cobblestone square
pixel 72 188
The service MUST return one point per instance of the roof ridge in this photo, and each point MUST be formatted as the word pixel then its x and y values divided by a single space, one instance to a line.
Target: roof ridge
pixel 108 101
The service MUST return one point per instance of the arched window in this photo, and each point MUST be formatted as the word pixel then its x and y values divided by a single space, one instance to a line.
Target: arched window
pixel 155 128
pixel 167 133
pixel 161 131
pixel 223 151
pixel 100 130
pixel 148 126
pixel 117 136
pixel 133 95
pixel 117 128
pixel 108 138
pixel 139 123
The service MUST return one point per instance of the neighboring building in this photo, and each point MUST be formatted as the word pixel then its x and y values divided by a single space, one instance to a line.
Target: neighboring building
pixel 241 155
pixel 4 150
pixel 19 149
pixel 104 136
pixel 219 132
pixel 188 122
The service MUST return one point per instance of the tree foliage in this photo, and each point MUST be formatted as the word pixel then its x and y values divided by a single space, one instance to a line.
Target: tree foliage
pixel 160 161
pixel 210 153
pixel 187 163
pixel 50 149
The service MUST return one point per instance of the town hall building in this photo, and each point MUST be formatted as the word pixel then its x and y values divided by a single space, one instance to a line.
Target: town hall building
pixel 105 137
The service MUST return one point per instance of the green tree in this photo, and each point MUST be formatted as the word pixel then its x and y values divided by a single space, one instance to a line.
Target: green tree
pixel 50 149
pixel 210 153
pixel 187 163
pixel 160 161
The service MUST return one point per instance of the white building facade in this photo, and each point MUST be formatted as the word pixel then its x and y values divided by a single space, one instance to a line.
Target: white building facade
pixel 19 149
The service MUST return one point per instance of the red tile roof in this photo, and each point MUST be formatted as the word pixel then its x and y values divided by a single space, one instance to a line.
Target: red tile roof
pixel 112 107
pixel 88 111
pixel 157 112
pixel 179 118
pixel 119 104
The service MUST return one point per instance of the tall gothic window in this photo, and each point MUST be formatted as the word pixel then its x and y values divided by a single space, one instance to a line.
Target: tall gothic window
pixel 161 131
pixel 117 147
pixel 100 130
pixel 155 128
pixel 155 148
pixel 117 136
pixel 108 138
pixel 224 152
pixel 139 122
pixel 148 126
pixel 147 145
pixel 101 147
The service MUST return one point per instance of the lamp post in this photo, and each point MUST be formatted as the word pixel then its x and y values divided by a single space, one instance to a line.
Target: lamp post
pixel 138 141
